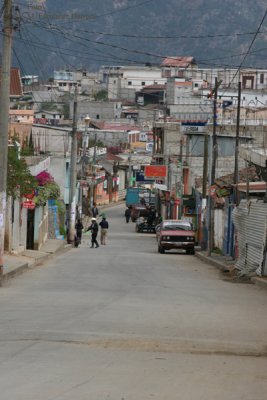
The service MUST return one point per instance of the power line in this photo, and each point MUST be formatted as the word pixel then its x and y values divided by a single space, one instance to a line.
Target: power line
pixel 250 46
pixel 156 37
pixel 94 17
pixel 65 34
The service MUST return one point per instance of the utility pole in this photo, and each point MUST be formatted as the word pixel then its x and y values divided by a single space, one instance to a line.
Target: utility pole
pixel 73 175
pixel 85 145
pixel 204 190
pixel 214 135
pixel 205 166
pixel 236 177
pixel 4 117
pixel 130 175
pixel 213 167
pixel 94 169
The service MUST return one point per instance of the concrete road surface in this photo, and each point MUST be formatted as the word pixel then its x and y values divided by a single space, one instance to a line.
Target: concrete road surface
pixel 125 322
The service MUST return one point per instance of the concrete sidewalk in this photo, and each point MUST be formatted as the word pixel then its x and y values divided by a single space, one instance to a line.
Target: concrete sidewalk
pixel 16 264
pixel 226 265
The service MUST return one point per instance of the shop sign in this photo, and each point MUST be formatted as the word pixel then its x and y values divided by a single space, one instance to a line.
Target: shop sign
pixel 29 204
pixel 155 171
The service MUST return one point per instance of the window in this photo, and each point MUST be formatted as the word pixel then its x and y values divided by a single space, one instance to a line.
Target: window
pixel 129 83
pixel 114 81
pixel 84 73
pixel 261 78
pixel 143 83
pixel 248 82
pixel 97 116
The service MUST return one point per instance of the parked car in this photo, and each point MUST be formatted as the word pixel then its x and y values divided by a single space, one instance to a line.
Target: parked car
pixel 175 234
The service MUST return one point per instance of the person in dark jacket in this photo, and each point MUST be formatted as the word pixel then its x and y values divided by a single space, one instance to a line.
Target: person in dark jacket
pixel 94 211
pixel 79 229
pixel 127 214
pixel 94 229
pixel 104 230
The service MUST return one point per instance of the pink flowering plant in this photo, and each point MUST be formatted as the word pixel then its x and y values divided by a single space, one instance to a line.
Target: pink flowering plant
pixel 44 177
pixel 47 189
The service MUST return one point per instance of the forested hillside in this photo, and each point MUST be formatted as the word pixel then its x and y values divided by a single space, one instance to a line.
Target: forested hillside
pixel 90 33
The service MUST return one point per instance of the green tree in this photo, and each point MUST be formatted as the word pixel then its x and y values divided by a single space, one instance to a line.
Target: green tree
pixel 19 179
pixel 102 95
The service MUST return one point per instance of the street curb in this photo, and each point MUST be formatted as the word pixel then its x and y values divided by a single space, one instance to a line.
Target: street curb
pixel 36 262
pixel 221 266
pixel 261 282
pixel 18 271
pixel 258 281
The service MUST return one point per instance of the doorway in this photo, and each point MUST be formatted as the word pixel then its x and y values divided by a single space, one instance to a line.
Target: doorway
pixel 30 230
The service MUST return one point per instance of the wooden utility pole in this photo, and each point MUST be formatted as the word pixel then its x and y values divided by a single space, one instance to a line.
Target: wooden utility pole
pixel 236 177
pixel 4 117
pixel 73 175
pixel 213 168
pixel 205 166
pixel 214 134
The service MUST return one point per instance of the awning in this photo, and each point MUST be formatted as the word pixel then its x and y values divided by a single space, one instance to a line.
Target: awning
pixel 161 187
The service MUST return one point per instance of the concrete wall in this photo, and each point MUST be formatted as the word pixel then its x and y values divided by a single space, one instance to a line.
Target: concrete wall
pixel 110 137
pixel 40 226
pixel 257 135
pixel 102 110
pixel 56 141
pixel 58 171
pixel 218 228
pixel 15 227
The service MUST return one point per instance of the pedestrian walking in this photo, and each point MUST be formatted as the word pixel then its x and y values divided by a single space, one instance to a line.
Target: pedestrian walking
pixel 104 230
pixel 79 230
pixel 94 229
pixel 94 211
pixel 127 214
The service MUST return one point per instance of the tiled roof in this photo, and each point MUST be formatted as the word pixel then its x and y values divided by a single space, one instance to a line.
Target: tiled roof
pixel 15 82
pixel 21 112
pixel 182 62
pixel 113 157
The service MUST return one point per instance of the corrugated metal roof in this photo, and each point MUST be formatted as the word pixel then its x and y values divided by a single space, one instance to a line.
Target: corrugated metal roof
pixel 255 187
pixel 178 61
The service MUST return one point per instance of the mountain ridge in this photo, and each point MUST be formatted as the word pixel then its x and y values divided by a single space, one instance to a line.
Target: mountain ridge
pixel 80 34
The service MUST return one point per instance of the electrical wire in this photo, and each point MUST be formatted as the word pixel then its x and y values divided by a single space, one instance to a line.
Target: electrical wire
pixel 65 34
pixel 101 15
pixel 250 46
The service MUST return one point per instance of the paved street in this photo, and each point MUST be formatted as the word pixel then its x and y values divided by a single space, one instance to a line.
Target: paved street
pixel 125 322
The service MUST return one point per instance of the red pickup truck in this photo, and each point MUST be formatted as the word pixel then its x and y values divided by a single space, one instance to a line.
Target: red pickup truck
pixel 175 234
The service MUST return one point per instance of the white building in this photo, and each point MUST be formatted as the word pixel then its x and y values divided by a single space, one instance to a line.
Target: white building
pixel 122 82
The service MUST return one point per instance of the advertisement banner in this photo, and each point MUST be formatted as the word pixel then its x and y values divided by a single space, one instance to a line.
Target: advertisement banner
pixel 155 171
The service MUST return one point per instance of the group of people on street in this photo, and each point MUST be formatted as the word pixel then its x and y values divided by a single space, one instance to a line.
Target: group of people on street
pixel 94 227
